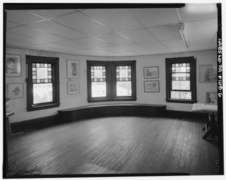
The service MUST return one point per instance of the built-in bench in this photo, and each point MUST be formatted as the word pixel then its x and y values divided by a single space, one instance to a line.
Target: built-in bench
pixel 104 110
pixel 116 109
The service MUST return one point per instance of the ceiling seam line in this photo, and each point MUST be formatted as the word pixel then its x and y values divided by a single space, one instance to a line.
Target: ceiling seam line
pixel 112 30
pixel 148 31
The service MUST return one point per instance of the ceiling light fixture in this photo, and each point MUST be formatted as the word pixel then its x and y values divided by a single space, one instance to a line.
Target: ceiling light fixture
pixel 181 30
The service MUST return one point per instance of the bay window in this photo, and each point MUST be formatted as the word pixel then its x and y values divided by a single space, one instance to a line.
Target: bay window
pixel 109 81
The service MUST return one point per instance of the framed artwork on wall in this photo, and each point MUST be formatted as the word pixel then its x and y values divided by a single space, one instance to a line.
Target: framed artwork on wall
pixel 15 90
pixel 207 73
pixel 151 72
pixel 13 65
pixel 151 86
pixel 72 69
pixel 73 87
pixel 211 97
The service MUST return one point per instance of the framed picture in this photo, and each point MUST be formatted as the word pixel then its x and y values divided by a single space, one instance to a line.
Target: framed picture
pixel 151 86
pixel 151 72
pixel 211 97
pixel 13 65
pixel 15 90
pixel 72 69
pixel 207 73
pixel 73 87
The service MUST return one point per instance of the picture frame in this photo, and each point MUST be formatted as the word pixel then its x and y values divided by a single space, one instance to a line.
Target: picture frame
pixel 211 97
pixel 72 69
pixel 151 86
pixel 12 65
pixel 151 72
pixel 207 73
pixel 73 87
pixel 15 90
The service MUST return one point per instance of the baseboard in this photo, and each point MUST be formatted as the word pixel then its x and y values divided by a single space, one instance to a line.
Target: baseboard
pixel 28 125
pixel 186 115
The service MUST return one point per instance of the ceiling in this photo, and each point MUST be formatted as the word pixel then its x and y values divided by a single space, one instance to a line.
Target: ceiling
pixel 113 32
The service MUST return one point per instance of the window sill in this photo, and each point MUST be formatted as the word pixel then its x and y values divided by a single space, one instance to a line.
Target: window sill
pixel 181 101
pixel 41 107
pixel 115 99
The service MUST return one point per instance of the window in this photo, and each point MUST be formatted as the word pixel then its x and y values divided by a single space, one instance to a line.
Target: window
pixel 42 82
pixel 109 81
pixel 181 79
pixel 123 81
pixel 98 81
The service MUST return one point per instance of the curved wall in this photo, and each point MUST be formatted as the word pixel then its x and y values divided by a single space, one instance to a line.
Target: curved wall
pixel 70 101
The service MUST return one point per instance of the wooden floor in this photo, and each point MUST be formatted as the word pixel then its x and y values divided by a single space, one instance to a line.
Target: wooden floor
pixel 117 145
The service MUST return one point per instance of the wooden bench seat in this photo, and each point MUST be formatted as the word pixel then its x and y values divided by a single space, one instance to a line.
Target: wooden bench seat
pixel 115 109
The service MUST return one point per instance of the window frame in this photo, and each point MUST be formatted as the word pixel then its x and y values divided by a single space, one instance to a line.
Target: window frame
pixel 54 61
pixel 192 61
pixel 111 80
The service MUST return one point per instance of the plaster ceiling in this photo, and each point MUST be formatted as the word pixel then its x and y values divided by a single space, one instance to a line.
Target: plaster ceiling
pixel 113 32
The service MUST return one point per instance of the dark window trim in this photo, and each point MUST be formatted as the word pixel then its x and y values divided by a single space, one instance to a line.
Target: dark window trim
pixel 169 62
pixel 96 63
pixel 56 91
pixel 111 80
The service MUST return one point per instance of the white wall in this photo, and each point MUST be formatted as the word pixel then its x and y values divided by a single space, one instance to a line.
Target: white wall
pixel 68 101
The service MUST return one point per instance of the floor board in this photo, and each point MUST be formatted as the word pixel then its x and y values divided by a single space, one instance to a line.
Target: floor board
pixel 117 145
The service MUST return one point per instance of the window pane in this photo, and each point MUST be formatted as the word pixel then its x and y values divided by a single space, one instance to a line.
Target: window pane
pixel 42 87
pixel 123 73
pixel 98 81
pixel 98 89
pixel 183 95
pixel 124 88
pixel 181 67
pixel 181 77
pixel 123 81
pixel 98 73
pixel 41 73
pixel 42 93
pixel 181 85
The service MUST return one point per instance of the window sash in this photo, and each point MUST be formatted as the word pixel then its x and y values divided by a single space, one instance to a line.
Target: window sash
pixel 180 77
pixel 98 81
pixel 123 81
